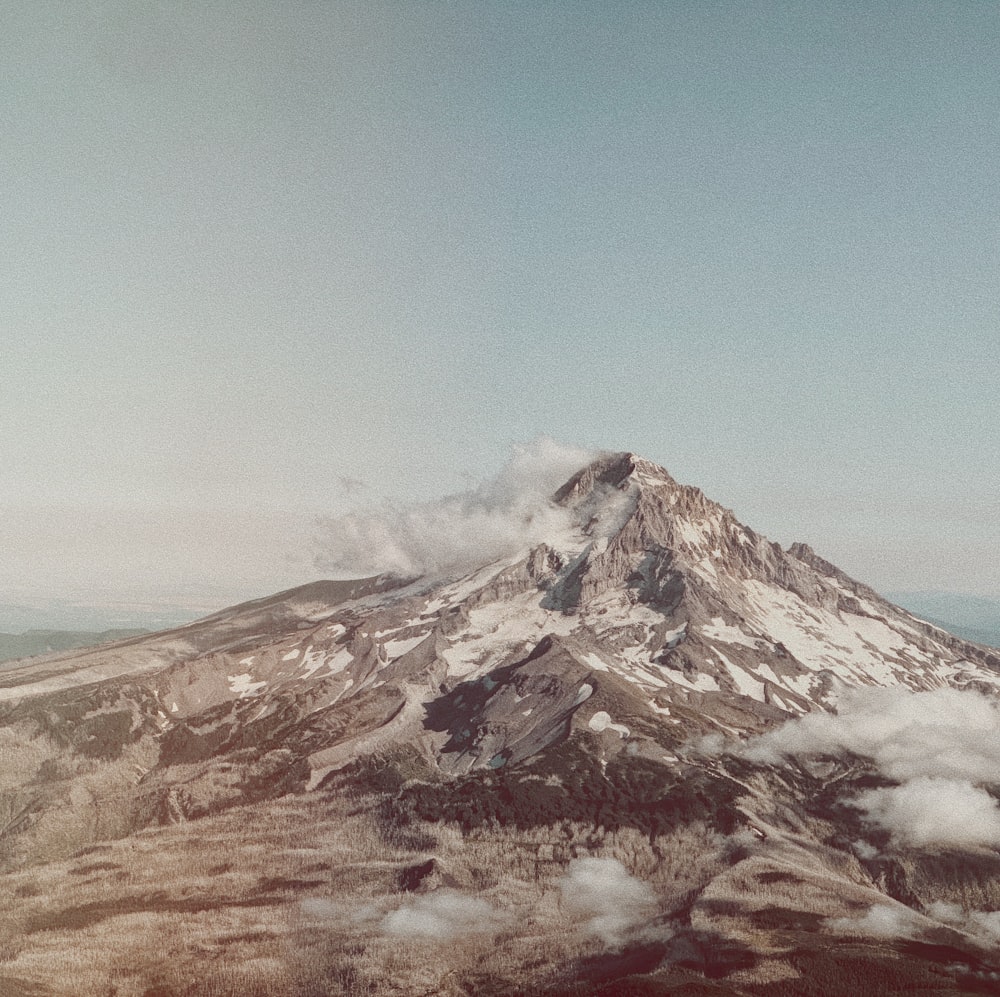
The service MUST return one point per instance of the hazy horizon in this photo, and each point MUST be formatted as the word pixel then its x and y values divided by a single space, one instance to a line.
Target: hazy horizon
pixel 273 262
pixel 506 512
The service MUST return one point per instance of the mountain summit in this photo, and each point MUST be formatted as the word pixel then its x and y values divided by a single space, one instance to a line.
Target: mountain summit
pixel 654 703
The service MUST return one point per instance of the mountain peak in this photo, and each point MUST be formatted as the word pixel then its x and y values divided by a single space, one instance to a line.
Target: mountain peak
pixel 637 506
pixel 616 470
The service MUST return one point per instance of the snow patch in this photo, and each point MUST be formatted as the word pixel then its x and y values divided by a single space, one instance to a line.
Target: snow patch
pixel 746 684
pixel 339 661
pixel 701 682
pixel 857 649
pixel 397 648
pixel 718 629
pixel 496 630
pixel 602 721
pixel 314 660
pixel 244 685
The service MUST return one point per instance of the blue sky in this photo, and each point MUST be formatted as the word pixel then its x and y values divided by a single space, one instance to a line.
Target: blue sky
pixel 257 252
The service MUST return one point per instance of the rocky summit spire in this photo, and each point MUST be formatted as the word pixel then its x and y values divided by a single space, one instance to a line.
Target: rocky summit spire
pixel 616 470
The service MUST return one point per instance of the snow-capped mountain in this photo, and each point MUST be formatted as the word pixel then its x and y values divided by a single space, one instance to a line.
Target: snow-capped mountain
pixel 643 691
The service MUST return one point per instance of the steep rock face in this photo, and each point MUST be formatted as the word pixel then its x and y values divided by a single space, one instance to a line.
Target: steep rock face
pixel 783 625
pixel 513 712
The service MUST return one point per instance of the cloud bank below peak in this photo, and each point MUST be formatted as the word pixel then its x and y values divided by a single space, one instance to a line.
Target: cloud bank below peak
pixel 940 747
pixel 497 518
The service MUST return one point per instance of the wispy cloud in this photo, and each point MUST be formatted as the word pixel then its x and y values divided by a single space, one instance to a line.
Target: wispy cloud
pixel 983 924
pixel 616 901
pixel 441 915
pixel 879 921
pixel 496 518
pixel 888 920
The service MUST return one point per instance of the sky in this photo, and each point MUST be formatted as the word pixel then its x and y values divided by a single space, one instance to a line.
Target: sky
pixel 269 261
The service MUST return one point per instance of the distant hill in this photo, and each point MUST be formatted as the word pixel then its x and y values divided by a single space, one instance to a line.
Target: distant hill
pixel 19 614
pixel 968 616
pixel 33 642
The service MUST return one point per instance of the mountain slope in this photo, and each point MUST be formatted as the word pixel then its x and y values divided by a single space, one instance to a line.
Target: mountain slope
pixel 434 762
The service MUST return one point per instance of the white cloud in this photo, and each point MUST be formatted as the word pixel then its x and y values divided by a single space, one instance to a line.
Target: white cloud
pixel 441 915
pixel 499 517
pixel 603 888
pixel 947 733
pixel 984 924
pixel 880 921
pixel 941 745
pixel 864 850
pixel 932 811
pixel 884 920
